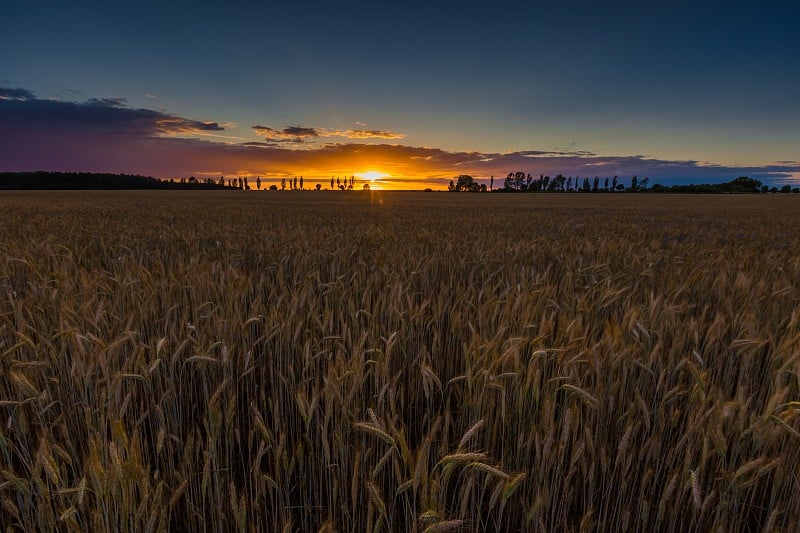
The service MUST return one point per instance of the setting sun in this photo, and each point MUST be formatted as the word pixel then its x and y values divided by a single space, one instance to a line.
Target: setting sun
pixel 371 175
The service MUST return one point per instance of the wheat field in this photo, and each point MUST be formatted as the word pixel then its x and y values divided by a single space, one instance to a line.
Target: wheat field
pixel 270 361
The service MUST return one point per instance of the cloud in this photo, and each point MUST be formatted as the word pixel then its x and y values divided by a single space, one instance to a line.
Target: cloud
pixel 366 134
pixel 105 135
pixel 298 134
pixel 170 125
pixel 287 134
pixel 108 102
pixel 22 111
pixel 15 94
pixel 300 131
pixel 257 143
pixel 570 153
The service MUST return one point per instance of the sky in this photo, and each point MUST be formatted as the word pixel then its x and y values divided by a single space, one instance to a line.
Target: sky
pixel 681 92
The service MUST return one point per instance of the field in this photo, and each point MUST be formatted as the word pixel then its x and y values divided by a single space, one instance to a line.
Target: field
pixel 362 361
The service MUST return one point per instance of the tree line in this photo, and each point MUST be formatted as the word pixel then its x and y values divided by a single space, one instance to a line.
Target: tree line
pixel 97 181
pixel 523 182
pixel 42 180
pixel 515 182
pixel 343 184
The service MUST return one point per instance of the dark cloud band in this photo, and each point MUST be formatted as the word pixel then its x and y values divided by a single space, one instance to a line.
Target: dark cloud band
pixel 22 111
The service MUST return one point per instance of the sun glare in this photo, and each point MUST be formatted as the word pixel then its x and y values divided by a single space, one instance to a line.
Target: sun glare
pixel 372 175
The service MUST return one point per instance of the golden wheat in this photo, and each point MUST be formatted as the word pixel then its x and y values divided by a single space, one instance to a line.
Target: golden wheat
pixel 401 362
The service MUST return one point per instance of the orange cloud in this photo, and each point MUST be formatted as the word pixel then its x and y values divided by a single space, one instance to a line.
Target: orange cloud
pixel 367 134
pixel 300 134
pixel 288 134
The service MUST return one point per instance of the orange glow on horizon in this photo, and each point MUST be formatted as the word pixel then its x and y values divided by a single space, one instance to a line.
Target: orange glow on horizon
pixel 371 175
pixel 385 167
pixel 263 181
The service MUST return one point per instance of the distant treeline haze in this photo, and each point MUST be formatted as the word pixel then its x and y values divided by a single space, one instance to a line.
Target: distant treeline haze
pixel 522 182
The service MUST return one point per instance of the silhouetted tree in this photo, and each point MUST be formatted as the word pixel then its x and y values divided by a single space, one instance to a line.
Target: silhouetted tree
pixel 596 184
pixel 258 182
pixel 614 183
pixel 294 184
pixel 605 188
pixel 521 180
pixel 318 187
pixel 465 182
pixel 515 181
pixel 491 183
pixel 301 183
pixel 634 183
pixel 331 182
pixel 744 184
pixel 366 186
pixel 283 183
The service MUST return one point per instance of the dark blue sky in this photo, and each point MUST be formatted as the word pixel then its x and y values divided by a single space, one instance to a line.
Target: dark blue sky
pixel 702 81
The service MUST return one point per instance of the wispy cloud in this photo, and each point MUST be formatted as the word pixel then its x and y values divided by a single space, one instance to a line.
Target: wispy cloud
pixel 108 102
pixel 300 134
pixel 15 94
pixel 295 134
pixel 366 134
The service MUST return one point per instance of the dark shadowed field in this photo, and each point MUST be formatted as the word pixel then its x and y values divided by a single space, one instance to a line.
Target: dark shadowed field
pixel 354 361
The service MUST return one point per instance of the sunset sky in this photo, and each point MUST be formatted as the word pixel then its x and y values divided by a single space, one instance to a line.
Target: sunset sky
pixel 677 91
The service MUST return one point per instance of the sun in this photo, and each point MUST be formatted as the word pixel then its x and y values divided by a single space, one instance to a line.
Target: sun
pixel 371 175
